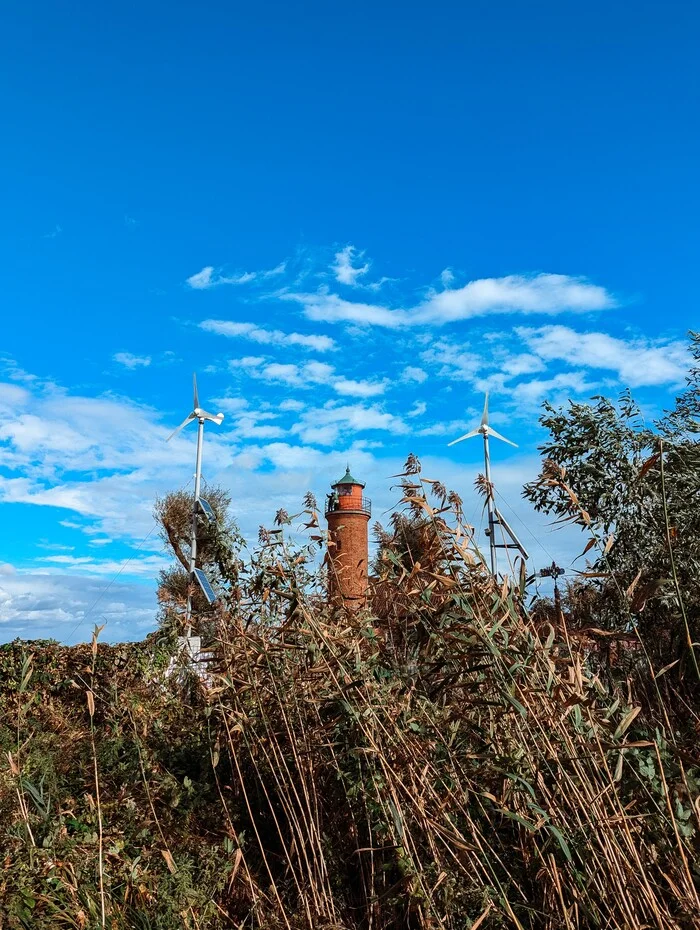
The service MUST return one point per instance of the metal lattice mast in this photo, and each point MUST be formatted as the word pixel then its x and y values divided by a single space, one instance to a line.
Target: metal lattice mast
pixel 495 517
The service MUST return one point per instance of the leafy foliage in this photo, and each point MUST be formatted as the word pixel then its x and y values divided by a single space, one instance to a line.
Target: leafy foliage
pixel 636 489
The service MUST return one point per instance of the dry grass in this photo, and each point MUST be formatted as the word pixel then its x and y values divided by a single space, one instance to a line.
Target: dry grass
pixel 433 761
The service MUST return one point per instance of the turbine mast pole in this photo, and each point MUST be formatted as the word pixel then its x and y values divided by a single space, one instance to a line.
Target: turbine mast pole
pixel 193 542
pixel 489 502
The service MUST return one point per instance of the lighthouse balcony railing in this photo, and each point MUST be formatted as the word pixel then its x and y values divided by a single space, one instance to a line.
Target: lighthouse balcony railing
pixel 347 504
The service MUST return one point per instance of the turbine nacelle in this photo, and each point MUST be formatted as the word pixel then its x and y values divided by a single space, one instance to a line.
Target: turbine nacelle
pixel 197 414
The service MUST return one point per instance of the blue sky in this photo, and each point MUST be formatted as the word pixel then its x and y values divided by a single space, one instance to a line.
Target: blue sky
pixel 351 221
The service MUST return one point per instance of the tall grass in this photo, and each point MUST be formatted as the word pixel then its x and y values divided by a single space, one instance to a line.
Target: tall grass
pixel 432 761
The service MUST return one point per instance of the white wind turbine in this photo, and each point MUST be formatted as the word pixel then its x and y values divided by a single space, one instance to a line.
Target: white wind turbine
pixel 199 505
pixel 495 517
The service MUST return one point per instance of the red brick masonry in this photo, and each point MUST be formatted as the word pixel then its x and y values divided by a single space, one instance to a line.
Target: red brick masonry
pixel 348 518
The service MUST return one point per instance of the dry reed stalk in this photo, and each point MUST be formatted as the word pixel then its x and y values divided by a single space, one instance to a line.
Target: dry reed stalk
pixel 305 677
pixel 91 709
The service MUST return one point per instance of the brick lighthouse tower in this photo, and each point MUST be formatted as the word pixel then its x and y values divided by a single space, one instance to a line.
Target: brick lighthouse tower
pixel 348 513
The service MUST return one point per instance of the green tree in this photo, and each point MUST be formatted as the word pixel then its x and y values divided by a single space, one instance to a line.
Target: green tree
pixel 636 488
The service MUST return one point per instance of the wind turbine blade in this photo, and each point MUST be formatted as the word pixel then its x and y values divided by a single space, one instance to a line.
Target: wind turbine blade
pixel 492 432
pixel 181 426
pixel 474 432
pixel 196 394
pixel 485 414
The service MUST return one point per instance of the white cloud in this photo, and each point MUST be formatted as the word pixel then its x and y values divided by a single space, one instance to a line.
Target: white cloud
pixel 352 388
pixel 541 293
pixel 232 405
pixel 132 361
pixel 329 308
pixel 273 337
pixel 298 376
pixel 16 373
pixel 418 409
pixel 144 565
pixel 638 362
pixel 13 397
pixel 309 375
pixel 323 425
pixel 455 362
pixel 555 389
pixel 447 428
pixel 45 604
pixel 202 279
pixel 247 430
pixel 248 361
pixel 513 366
pixel 411 373
pixel 212 277
pixel 344 269
pixel 256 425
pixel 518 294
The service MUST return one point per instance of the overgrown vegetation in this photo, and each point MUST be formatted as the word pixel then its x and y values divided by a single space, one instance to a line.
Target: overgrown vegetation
pixel 635 489
pixel 445 758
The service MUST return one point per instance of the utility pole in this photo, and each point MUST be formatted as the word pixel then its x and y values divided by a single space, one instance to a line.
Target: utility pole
pixel 490 503
pixel 193 541
pixel 198 504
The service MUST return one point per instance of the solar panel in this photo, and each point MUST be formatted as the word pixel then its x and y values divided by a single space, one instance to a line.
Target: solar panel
pixel 204 584
pixel 206 508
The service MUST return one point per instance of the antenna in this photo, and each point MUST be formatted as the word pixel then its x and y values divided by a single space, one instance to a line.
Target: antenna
pixel 495 517
pixel 199 505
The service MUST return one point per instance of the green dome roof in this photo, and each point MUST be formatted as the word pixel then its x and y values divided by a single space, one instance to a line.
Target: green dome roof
pixel 348 479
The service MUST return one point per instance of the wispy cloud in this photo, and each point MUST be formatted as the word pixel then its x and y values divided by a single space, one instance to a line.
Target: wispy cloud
pixel 418 409
pixel 271 337
pixel 344 267
pixel 354 388
pixel 210 276
pixel 148 565
pixel 247 362
pixel 326 307
pixel 555 389
pixel 308 375
pixel 132 361
pixel 547 294
pixel 457 362
pixel 638 362
pixel 541 293
pixel 322 426
pixel 412 373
